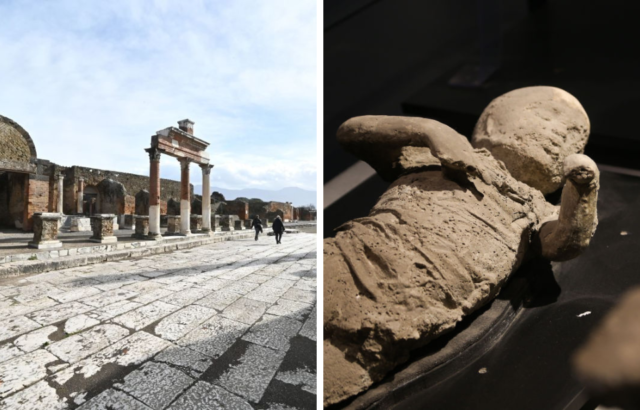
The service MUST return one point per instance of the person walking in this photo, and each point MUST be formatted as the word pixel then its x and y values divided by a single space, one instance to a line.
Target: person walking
pixel 257 225
pixel 278 228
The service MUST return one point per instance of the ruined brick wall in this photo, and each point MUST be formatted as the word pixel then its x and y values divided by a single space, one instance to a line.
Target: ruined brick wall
pixel 307 215
pixel 285 207
pixel 38 199
pixel 240 208
pixel 14 146
pixel 132 183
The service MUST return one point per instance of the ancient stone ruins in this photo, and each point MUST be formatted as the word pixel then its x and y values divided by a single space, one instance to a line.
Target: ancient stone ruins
pixel 40 196
pixel 458 219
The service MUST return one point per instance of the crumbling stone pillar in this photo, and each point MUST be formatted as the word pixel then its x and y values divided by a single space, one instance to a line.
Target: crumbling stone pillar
pixel 154 194
pixel 80 207
pixel 206 197
pixel 185 202
pixel 102 227
pixel 215 223
pixel 60 193
pixel 196 223
pixel 228 222
pixel 173 224
pixel 45 230
pixel 142 227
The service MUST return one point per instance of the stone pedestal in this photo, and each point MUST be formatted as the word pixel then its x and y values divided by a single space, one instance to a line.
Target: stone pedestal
pixel 80 224
pixel 142 226
pixel 215 223
pixel 45 231
pixel 173 224
pixel 102 227
pixel 196 223
pixel 239 225
pixel 129 221
pixel 228 222
pixel 247 223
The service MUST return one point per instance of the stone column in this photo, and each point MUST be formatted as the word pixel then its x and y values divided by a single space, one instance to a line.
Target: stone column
pixel 80 209
pixel 60 193
pixel 154 194
pixel 185 200
pixel 206 197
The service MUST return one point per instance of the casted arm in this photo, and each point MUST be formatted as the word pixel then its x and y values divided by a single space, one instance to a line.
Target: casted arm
pixel 378 140
pixel 569 235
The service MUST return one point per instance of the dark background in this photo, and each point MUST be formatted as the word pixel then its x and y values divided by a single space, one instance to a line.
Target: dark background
pixel 431 58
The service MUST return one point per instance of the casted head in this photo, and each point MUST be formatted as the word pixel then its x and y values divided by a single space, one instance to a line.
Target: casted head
pixel 532 130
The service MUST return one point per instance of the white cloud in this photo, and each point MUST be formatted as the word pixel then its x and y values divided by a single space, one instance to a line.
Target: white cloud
pixel 92 81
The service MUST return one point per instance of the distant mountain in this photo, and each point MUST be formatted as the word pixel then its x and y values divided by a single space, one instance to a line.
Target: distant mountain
pixel 297 196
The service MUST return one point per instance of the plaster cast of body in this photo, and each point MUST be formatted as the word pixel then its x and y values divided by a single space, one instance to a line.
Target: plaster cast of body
pixel 452 227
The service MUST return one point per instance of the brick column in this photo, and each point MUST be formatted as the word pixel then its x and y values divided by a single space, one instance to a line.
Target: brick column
pixel 206 197
pixel 154 193
pixel 60 193
pixel 185 200
pixel 80 209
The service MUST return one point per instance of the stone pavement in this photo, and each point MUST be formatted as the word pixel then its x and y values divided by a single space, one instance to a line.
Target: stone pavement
pixel 229 325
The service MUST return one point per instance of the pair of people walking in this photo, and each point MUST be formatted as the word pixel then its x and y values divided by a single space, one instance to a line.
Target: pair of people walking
pixel 277 226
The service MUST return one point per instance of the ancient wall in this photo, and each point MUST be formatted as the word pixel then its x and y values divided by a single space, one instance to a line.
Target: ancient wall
pixel 285 207
pixel 38 201
pixel 131 182
pixel 238 207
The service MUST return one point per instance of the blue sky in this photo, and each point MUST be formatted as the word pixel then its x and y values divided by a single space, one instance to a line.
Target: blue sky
pixel 92 81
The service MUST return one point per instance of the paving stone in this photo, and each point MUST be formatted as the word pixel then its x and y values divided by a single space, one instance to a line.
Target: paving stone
pixel 19 309
pixel 190 361
pixel 203 395
pixel 168 279
pixel 39 396
pixel 154 273
pixel 76 294
pixel 253 373
pixel 279 283
pixel 23 371
pixel 186 297
pixel 290 308
pixel 309 328
pixel 108 298
pixel 113 400
pixel 57 313
pixel 300 295
pixel 214 337
pixel 8 351
pixel 178 324
pixel 75 348
pixel 215 283
pixel 78 323
pixel 152 296
pixel 35 340
pixel 155 384
pixel 36 291
pixel 306 284
pixel 131 350
pixel 145 315
pixel 266 294
pixel 219 299
pixel 245 310
pixel 273 331
pixel 242 287
pixel 113 310
pixel 119 281
pixel 304 378
pixel 15 326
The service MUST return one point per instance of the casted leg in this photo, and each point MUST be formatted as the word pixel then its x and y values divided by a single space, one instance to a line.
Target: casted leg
pixel 569 235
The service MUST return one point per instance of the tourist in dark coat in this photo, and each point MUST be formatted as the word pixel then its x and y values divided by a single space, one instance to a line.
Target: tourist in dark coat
pixel 278 228
pixel 257 225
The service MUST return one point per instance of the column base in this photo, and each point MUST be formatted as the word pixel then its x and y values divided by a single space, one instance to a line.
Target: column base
pixel 108 239
pixel 187 233
pixel 45 245
pixel 154 236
